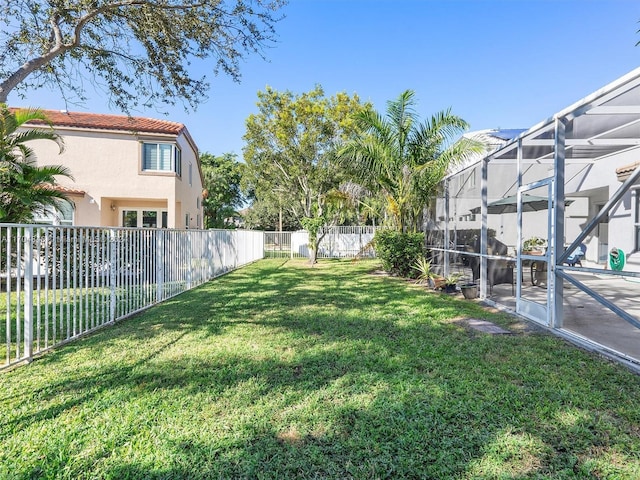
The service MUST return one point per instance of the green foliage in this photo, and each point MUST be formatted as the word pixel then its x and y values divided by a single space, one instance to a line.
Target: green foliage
pixel 404 161
pixel 453 279
pixel 425 273
pixel 533 243
pixel 290 149
pixel 140 51
pixel 267 216
pixel 312 225
pixel 399 251
pixel 25 188
pixel 223 197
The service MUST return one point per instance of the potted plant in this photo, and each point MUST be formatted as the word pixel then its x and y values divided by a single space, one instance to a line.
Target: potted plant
pixel 451 282
pixel 534 246
pixel 426 275
pixel 469 290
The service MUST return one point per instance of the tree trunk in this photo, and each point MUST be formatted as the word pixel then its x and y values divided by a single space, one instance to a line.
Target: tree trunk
pixel 313 255
pixel 313 248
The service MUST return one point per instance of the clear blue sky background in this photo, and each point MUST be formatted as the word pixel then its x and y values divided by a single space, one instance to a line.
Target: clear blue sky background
pixel 496 63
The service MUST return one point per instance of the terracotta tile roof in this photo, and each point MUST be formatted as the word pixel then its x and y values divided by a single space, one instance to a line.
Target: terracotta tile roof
pixel 69 191
pixel 100 121
pixel 626 170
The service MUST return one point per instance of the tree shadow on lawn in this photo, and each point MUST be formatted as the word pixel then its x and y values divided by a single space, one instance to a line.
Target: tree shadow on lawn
pixel 369 416
pixel 391 392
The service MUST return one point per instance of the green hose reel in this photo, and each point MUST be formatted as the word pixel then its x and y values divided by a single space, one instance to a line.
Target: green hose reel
pixel 616 259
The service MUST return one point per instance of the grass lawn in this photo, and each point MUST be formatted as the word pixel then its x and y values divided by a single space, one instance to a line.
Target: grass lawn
pixel 283 371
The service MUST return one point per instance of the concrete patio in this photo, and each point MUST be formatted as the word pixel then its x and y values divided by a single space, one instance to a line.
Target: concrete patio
pixel 586 318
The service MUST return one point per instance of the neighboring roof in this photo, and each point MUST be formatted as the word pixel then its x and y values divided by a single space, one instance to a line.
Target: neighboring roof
pixel 496 137
pixel 100 121
pixel 123 123
pixel 69 191
pixel 492 138
pixel 625 171
pixel 507 133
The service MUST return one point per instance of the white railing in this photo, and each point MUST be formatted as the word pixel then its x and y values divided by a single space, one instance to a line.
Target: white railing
pixel 58 283
pixel 338 242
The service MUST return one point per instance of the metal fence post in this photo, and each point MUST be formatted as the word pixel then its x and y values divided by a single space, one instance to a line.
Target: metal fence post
pixel 159 264
pixel 113 251
pixel 28 292
pixel 188 260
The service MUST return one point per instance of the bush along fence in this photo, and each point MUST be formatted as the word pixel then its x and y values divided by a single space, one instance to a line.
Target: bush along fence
pixel 58 283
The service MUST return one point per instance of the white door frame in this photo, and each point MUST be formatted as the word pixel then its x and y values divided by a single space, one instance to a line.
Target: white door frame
pixel 533 310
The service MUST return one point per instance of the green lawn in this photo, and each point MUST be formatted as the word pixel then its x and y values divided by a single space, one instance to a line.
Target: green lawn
pixel 283 371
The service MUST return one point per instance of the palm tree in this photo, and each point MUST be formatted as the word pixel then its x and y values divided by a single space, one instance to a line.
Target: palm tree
pixel 25 188
pixel 30 191
pixel 405 160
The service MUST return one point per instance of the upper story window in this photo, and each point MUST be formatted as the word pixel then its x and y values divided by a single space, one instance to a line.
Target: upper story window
pixel 161 157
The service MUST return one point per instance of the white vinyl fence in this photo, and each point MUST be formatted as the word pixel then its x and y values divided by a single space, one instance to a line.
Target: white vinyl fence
pixel 338 242
pixel 57 283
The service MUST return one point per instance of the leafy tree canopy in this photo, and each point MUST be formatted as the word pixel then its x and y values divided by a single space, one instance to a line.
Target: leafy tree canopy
pixel 268 216
pixel 139 51
pixel 223 197
pixel 290 151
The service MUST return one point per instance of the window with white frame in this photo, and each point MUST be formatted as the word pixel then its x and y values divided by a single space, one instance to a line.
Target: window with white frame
pixel 143 218
pixel 63 215
pixel 190 175
pixel 161 157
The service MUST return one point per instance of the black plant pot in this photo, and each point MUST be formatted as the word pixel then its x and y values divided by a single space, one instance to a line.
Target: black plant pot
pixel 450 288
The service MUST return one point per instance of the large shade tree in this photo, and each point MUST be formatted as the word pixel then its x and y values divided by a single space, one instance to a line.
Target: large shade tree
pixel 404 160
pixel 222 196
pixel 26 190
pixel 141 52
pixel 290 154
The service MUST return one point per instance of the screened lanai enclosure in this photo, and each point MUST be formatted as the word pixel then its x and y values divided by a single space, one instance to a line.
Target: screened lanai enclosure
pixel 548 224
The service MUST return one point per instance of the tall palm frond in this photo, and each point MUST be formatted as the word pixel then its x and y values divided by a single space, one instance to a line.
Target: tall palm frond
pixel 31 192
pixel 26 190
pixel 403 158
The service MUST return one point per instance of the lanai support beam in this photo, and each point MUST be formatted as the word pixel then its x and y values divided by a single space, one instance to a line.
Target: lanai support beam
pixel 483 230
pixel 557 230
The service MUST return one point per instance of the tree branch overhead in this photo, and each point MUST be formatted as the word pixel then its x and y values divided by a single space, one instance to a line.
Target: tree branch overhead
pixel 141 51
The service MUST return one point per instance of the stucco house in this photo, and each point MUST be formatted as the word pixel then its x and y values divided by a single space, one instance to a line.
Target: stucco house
pixel 127 171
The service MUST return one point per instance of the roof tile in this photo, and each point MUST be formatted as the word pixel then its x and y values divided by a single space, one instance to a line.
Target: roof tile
pixel 100 121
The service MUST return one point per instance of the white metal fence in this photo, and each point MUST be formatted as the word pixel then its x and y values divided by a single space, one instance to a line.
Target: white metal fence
pixel 57 283
pixel 338 242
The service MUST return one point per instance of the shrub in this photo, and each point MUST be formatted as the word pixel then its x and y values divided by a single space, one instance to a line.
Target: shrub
pixel 399 251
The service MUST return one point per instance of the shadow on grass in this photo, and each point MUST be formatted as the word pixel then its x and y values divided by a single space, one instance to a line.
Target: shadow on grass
pixel 283 371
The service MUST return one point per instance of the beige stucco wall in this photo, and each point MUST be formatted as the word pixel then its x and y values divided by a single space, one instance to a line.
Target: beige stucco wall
pixel 107 166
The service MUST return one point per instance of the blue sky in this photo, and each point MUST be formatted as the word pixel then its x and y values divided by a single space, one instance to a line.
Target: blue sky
pixel 495 63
